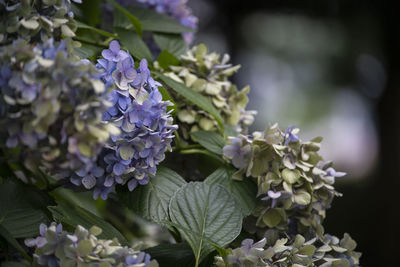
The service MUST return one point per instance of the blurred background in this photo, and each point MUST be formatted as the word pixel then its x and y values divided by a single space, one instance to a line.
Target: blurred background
pixel 332 69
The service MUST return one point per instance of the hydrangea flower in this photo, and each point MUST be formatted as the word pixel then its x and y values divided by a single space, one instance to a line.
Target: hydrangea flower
pixel 52 104
pixel 146 129
pixel 36 20
pixel 237 152
pixel 293 181
pixel 326 251
pixel 58 248
pixel 290 135
pixel 209 74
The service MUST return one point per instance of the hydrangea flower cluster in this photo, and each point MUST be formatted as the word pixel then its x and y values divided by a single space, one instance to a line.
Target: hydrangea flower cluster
pixel 141 115
pixel 33 20
pixel 51 108
pixel 295 186
pixel 55 247
pixel 327 251
pixel 177 9
pixel 208 74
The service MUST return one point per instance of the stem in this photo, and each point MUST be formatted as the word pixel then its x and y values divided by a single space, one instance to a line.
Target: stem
pixel 85 41
pixel 200 151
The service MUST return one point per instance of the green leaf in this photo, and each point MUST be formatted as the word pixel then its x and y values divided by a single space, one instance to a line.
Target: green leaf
pixel 212 141
pixel 205 216
pixel 87 50
pixel 82 25
pixel 20 209
pixel 244 191
pixel 134 44
pixel 11 240
pixel 166 59
pixel 152 21
pixel 132 19
pixel 173 43
pixel 78 216
pixel 151 201
pixel 194 97
pixel 91 14
pixel 167 97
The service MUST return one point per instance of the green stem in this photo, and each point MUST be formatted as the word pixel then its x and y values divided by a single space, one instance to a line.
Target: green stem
pixel 85 41
pixel 200 151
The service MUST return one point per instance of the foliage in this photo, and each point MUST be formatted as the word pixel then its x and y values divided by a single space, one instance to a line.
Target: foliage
pixel 108 100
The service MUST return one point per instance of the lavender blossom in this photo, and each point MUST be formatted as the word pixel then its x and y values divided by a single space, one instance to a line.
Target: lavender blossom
pixel 237 152
pixel 138 110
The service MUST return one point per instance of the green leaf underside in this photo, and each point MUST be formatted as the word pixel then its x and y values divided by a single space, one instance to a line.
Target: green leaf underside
pixel 244 191
pixel 135 45
pixel 212 141
pixel 151 21
pixel 205 215
pixel 18 215
pixel 151 201
pixel 79 216
pixel 131 18
pixel 173 43
pixel 194 97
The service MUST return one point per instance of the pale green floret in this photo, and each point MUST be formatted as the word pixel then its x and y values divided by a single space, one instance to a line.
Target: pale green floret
pixel 208 74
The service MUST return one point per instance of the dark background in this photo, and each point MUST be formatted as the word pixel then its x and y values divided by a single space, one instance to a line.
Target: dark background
pixel 340 59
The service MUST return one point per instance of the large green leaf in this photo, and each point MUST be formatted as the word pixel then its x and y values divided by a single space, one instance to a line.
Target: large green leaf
pixel 79 216
pixel 152 21
pixel 244 191
pixel 20 209
pixel 210 140
pixel 206 216
pixel 173 43
pixel 151 201
pixel 131 18
pixel 134 44
pixel 193 96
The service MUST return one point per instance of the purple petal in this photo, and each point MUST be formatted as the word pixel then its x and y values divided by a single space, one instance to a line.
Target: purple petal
pixel 89 181
pixel 97 171
pixel 132 184
pixel 114 46
pixel 119 169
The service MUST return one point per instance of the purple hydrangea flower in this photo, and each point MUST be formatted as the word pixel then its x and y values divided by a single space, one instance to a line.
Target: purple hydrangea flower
pixel 132 157
pixel 237 152
pixel 140 259
pixel 290 135
pixel 114 53
pixel 88 177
